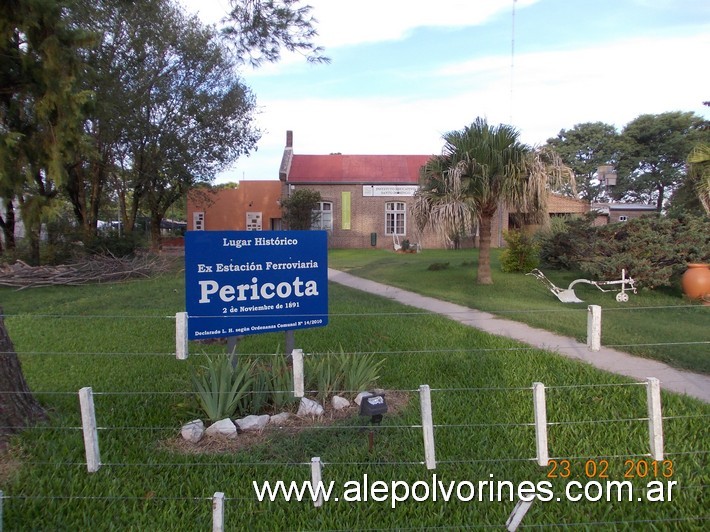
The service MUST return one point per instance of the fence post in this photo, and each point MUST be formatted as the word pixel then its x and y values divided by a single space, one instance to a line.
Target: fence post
pixel 594 327
pixel 2 496
pixel 655 419
pixel 218 512
pixel 181 350
pixel 427 426
pixel 540 409
pixel 521 508
pixel 316 480
pixel 91 435
pixel 297 361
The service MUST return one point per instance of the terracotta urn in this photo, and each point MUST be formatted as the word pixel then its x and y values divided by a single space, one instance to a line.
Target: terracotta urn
pixel 696 281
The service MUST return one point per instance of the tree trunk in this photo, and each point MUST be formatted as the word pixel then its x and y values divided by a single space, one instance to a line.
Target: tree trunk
pixel 8 227
pixel 484 252
pixel 155 239
pixel 18 407
pixel 659 203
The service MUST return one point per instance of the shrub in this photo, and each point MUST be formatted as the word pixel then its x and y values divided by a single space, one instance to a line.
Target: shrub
pixel 437 266
pixel 221 389
pixel 522 253
pixel 255 387
pixel 342 372
pixel 360 371
pixel 299 209
pixel 566 241
pixel 653 250
pixel 114 243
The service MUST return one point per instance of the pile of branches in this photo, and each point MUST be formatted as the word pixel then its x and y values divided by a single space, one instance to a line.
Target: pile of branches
pixel 97 269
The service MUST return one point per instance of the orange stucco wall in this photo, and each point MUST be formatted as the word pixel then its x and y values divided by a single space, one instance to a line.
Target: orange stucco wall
pixel 226 209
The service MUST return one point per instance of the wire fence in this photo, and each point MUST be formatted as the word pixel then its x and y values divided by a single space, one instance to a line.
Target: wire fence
pixel 441 428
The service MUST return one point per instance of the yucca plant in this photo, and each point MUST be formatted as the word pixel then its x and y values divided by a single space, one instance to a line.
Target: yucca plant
pixel 324 374
pixel 261 388
pixel 221 389
pixel 281 383
pixel 334 372
pixel 360 371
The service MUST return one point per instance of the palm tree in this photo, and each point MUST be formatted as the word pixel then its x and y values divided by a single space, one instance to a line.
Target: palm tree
pixel 481 169
pixel 699 171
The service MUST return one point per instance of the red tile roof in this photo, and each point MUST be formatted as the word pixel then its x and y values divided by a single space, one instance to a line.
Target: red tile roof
pixel 333 169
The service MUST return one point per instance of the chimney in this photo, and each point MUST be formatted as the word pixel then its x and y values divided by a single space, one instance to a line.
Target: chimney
pixel 289 139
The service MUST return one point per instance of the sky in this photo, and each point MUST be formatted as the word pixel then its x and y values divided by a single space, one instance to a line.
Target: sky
pixel 404 72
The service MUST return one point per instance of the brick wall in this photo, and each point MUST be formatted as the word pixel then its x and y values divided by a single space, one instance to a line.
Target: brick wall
pixel 367 217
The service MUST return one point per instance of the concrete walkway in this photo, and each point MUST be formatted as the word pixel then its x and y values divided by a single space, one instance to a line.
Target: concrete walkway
pixel 684 382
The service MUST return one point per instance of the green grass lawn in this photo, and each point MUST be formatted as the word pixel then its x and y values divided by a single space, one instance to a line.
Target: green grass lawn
pixel 119 339
pixel 657 324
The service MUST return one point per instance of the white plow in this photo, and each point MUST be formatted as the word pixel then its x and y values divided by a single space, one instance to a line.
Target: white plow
pixel 567 295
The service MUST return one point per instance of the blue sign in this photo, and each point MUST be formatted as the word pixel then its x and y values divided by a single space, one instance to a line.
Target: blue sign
pixel 251 282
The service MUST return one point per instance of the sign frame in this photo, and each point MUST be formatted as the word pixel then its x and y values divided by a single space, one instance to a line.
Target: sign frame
pixel 253 282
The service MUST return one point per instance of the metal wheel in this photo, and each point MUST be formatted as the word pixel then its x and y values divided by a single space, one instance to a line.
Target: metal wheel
pixel 622 297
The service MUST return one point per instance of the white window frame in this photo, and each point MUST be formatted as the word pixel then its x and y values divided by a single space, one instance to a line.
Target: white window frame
pixel 396 218
pixel 253 221
pixel 623 218
pixel 198 221
pixel 324 216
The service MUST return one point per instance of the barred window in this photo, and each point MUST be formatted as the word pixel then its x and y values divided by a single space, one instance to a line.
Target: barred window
pixel 323 216
pixel 396 218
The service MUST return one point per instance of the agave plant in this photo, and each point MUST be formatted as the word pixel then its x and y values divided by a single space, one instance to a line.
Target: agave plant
pixel 281 383
pixel 220 388
pixel 360 371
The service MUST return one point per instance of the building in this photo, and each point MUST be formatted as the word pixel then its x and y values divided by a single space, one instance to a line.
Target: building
pixel 252 206
pixel 621 212
pixel 367 198
pixel 365 201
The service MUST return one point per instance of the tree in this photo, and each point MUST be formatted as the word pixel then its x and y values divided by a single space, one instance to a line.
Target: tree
pixel 442 201
pixel 259 29
pixel 18 407
pixel 699 173
pixel 41 109
pixel 584 148
pixel 299 209
pixel 655 149
pixel 486 168
pixel 172 113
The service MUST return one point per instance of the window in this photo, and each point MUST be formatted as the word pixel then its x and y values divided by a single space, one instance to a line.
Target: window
pixel 253 221
pixel 198 221
pixel 623 218
pixel 323 216
pixel 395 218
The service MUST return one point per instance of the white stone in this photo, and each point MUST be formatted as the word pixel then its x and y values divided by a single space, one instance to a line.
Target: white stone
pixel 193 431
pixel 361 396
pixel 339 403
pixel 309 407
pixel 279 418
pixel 253 422
pixel 224 427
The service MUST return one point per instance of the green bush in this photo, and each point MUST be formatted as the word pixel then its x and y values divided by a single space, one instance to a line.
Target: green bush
pixel 114 243
pixel 360 371
pixel 653 250
pixel 253 387
pixel 566 241
pixel 342 372
pixel 437 266
pixel 522 253
pixel 221 389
